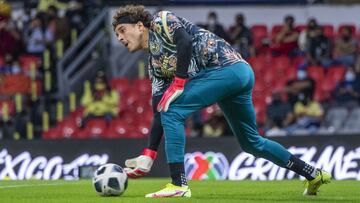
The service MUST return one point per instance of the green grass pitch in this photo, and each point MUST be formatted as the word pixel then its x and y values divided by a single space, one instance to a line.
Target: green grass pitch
pixel 35 191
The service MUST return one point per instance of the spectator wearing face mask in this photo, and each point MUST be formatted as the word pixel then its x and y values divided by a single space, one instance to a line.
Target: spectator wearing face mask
pixel 57 25
pixel 286 41
pixel 214 26
pixel 241 37
pixel 302 84
pixel 10 38
pixel 317 50
pixel 10 67
pixel 345 48
pixel 347 92
pixel 278 115
pixel 307 33
pixel 43 5
pixel 215 126
pixel 76 15
pixel 99 102
pixel 308 115
pixel 38 37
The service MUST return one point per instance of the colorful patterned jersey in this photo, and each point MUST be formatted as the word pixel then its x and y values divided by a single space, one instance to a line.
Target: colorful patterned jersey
pixel 208 50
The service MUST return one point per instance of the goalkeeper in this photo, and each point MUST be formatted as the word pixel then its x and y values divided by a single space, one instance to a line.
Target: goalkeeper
pixel 192 68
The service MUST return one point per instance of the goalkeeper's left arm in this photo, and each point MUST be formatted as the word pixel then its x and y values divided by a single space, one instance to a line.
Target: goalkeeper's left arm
pixel 157 130
pixel 141 165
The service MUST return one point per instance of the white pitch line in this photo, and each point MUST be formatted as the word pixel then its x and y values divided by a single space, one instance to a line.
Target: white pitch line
pixel 37 185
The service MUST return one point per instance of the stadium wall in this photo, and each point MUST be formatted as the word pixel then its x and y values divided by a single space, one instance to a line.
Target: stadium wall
pixel 206 158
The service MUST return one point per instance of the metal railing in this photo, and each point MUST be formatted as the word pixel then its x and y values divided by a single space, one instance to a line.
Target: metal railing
pixel 71 65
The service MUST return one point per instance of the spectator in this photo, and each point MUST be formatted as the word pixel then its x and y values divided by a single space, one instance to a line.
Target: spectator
pixel 241 37
pixel 10 38
pixel 92 8
pixel 23 22
pixel 215 27
pixel 308 114
pixel 275 130
pixel 347 92
pixel 10 66
pixel 194 125
pixel 102 103
pixel 302 84
pixel 318 49
pixel 76 16
pixel 278 115
pixel 58 26
pixel 345 48
pixel 38 37
pixel 215 126
pixel 43 5
pixel 308 33
pixel 357 66
pixel 6 130
pixel 285 41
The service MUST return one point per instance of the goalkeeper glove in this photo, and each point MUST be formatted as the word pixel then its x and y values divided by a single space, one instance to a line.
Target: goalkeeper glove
pixel 141 165
pixel 174 91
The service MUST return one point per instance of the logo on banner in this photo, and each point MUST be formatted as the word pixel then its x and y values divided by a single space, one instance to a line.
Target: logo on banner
pixel 24 166
pixel 208 166
pixel 341 163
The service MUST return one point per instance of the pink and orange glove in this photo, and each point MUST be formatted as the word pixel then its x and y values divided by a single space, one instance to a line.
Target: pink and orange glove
pixel 141 165
pixel 174 91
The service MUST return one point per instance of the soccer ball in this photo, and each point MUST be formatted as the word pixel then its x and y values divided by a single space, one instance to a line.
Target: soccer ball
pixel 110 180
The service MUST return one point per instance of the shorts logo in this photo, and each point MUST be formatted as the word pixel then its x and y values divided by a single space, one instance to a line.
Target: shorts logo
pixel 208 166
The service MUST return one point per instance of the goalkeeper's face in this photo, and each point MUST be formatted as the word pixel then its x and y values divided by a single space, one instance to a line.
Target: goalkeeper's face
pixel 133 36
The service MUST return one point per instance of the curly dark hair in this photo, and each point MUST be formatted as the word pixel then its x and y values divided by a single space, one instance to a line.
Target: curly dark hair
pixel 136 13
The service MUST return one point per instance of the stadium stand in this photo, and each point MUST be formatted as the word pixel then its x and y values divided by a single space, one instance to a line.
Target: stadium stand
pixel 37 83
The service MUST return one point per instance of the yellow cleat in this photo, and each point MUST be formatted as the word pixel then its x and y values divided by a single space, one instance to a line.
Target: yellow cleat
pixel 312 187
pixel 171 190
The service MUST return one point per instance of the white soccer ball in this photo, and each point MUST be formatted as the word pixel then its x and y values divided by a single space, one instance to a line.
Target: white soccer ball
pixel 110 180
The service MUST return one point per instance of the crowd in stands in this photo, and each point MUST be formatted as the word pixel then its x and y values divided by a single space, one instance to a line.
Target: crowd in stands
pixel 303 73
pixel 30 44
